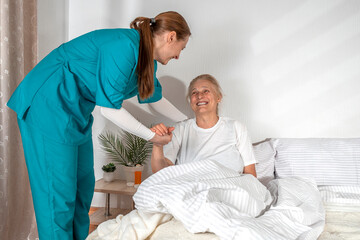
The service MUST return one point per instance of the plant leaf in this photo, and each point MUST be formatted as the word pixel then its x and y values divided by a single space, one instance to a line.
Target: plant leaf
pixel 132 150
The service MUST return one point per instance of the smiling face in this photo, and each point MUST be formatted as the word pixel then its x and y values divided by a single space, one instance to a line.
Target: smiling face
pixel 204 98
pixel 167 47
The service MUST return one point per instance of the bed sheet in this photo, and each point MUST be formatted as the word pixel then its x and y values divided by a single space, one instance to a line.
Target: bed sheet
pixel 341 196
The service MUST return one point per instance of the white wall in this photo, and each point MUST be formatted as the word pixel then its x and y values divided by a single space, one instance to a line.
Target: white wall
pixel 287 68
pixel 53 25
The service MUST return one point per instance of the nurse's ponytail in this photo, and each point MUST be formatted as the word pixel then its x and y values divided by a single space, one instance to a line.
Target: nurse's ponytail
pixel 148 27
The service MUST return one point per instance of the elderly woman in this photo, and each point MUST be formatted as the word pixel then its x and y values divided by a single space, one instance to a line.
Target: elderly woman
pixel 208 136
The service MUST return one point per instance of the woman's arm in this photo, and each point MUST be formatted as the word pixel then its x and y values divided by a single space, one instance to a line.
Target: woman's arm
pixel 158 160
pixel 250 169
pixel 245 148
pixel 164 107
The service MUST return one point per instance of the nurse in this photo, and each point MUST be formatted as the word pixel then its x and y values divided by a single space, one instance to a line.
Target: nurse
pixel 55 100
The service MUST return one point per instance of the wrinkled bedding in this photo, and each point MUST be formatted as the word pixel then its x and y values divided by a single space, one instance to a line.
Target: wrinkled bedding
pixel 207 197
pixel 340 225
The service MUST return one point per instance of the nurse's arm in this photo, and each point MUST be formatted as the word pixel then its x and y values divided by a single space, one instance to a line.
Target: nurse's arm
pixel 164 107
pixel 126 121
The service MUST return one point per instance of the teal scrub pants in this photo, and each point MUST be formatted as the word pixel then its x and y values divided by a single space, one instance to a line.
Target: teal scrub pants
pixel 62 184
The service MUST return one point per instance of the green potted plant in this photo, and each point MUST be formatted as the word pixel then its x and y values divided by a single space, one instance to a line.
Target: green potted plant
pixel 128 150
pixel 109 170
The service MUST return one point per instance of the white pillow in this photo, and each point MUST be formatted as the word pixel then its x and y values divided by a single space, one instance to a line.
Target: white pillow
pixel 265 157
pixel 330 161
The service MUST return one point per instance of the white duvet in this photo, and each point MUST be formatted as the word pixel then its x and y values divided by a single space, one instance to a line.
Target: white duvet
pixel 207 197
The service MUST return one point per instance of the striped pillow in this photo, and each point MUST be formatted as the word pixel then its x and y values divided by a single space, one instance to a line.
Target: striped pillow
pixel 265 157
pixel 330 161
pixel 340 194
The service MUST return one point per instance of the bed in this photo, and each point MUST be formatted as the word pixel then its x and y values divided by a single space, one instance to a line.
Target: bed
pixel 306 189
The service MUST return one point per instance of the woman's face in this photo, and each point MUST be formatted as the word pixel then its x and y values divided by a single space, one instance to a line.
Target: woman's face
pixel 204 98
pixel 167 47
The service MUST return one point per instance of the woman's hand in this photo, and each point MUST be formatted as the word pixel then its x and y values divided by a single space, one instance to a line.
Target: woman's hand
pixel 161 129
pixel 250 169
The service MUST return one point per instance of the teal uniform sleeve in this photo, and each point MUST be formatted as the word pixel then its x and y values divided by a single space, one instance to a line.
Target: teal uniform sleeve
pixel 116 73
pixel 157 95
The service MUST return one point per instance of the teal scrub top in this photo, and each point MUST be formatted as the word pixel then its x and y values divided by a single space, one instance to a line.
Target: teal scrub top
pixel 60 93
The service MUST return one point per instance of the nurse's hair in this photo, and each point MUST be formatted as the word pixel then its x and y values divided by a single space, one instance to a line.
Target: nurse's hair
pixel 148 27
pixel 210 79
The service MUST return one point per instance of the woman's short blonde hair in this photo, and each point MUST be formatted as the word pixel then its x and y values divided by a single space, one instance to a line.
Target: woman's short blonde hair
pixel 209 78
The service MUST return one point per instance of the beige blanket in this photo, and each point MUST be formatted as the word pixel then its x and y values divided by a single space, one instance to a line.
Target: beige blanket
pixel 342 225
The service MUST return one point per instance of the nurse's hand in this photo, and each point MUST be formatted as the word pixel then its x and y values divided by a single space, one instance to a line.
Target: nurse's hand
pixel 161 140
pixel 161 129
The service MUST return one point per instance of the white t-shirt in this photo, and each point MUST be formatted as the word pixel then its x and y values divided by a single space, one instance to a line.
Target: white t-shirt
pixel 227 143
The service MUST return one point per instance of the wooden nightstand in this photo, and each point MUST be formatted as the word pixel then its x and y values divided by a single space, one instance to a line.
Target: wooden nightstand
pixel 115 187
